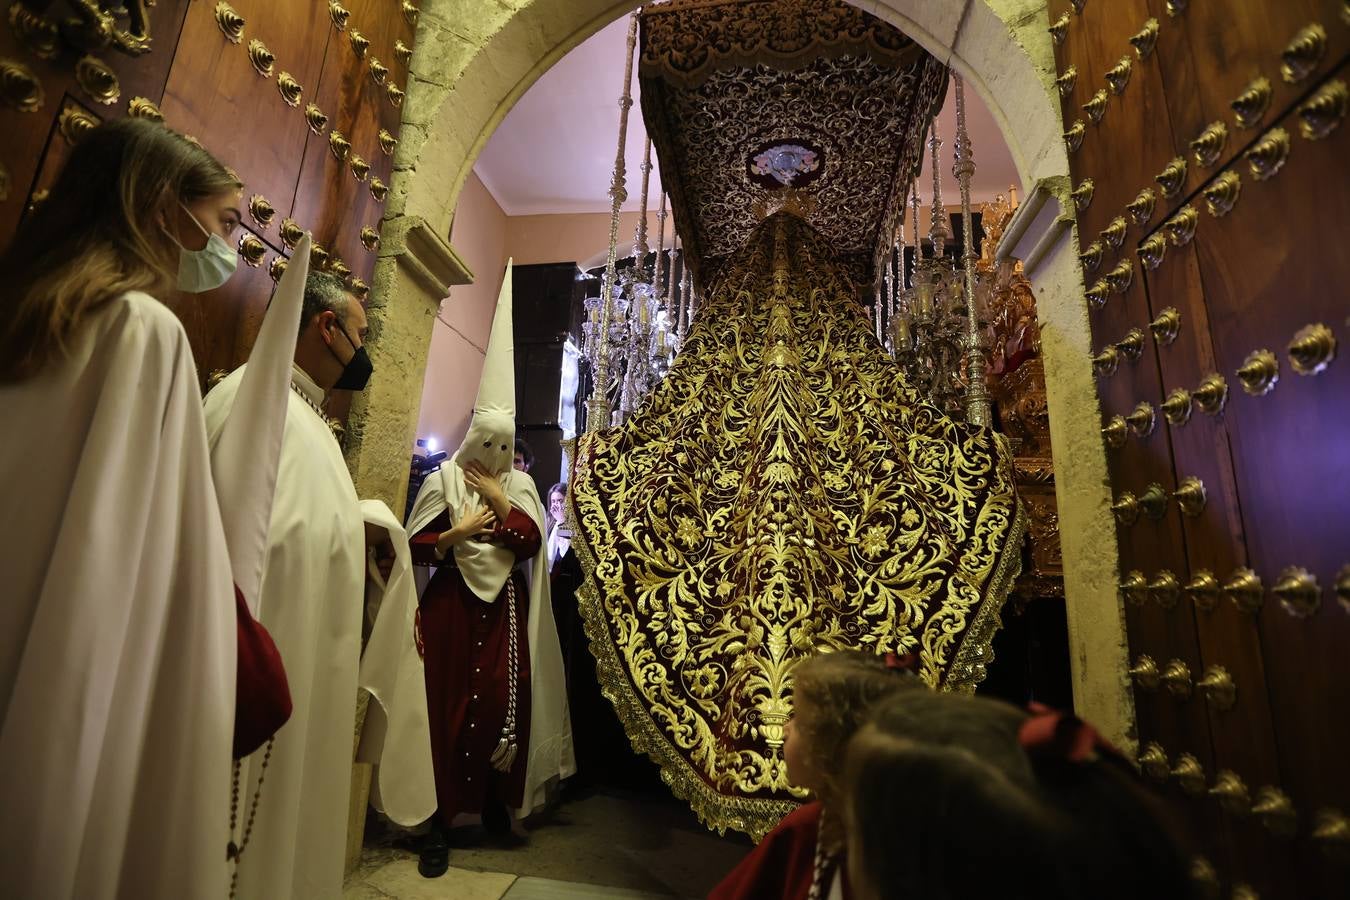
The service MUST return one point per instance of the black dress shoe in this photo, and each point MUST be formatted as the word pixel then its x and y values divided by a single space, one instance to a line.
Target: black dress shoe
pixel 433 856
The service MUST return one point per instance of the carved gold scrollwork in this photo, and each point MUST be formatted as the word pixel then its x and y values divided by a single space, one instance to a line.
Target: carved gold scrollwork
pixel 1126 509
pixel 1312 349
pixel 1250 105
pixel 338 14
pixel 277 268
pixel 252 250
pixel 1190 775
pixel 1120 277
pixel 378 70
pixel 1177 407
pixel 1153 761
pixel 1091 257
pixel 1203 589
pixel 395 94
pixel 410 12
pixel 1141 207
pixel 1073 138
pixel 1114 233
pixel 40 35
pixel 1231 793
pixel 318 257
pixel 339 268
pixel 360 168
pixel 1222 195
pixel 1104 364
pixel 360 43
pixel 1059 29
pixel 1097 294
pixel 316 119
pixel 1164 589
pixel 1082 195
pixel 378 189
pixel 1259 373
pixel 1152 251
pixel 1303 53
pixel 1067 79
pixel 1190 496
pixel 230 22
pixel 291 233
pixel 1115 431
pixel 262 212
pixel 1267 156
pixel 74 123
pixel 1245 590
pixel 1177 678
pixel 1273 809
pixel 387 142
pixel 1212 394
pixel 1096 107
pixel 1146 38
pixel 1298 592
pixel 262 59
pixel 1323 111
pixel 339 145
pixel 1119 75
pixel 402 52
pixel 1166 326
pixel 1208 145
pixel 1181 227
pixel 97 80
pixel 360 289
pixel 144 108
pixel 1177 7
pixel 1218 687
pixel 370 239
pixel 1145 672
pixel 1153 501
pixel 1172 177
pixel 1131 345
pixel 289 88
pixel 20 88
pixel 1331 833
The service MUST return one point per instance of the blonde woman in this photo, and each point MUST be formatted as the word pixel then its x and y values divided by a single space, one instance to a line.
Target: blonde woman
pixel 118 629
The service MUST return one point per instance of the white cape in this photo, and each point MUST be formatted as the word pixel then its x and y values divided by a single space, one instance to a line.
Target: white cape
pixel 396 736
pixel 311 599
pixel 117 630
pixel 551 755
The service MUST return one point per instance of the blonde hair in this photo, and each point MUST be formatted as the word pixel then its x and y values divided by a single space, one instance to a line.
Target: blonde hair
pixel 831 695
pixel 98 235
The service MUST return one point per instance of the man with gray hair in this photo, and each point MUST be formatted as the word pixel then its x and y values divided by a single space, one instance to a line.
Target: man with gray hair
pixel 313 589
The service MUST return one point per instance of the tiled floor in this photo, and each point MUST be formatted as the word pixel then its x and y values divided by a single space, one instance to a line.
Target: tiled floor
pixel 604 845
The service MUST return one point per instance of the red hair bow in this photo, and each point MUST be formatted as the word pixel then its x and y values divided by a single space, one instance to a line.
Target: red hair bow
pixel 1049 732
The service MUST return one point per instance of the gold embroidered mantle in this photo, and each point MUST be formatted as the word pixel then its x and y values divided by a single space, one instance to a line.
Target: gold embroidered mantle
pixel 780 494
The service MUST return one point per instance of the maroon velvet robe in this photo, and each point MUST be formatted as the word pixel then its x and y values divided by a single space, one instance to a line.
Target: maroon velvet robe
pixel 465 657
pixel 780 867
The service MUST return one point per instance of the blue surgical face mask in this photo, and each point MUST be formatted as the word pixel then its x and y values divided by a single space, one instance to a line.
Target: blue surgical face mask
pixel 208 268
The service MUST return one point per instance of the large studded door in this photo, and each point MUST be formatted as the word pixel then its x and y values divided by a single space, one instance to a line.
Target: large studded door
pixel 1210 184
pixel 302 98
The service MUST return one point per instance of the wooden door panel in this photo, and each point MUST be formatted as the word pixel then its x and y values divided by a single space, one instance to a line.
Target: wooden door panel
pixel 214 93
pixel 1274 268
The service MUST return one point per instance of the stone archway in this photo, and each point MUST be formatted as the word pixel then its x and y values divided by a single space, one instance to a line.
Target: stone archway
pixel 474 60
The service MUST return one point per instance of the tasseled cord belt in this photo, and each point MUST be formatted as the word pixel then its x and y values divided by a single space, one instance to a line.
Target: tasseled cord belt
pixel 504 757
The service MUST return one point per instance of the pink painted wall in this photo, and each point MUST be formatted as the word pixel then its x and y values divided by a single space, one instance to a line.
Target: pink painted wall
pixel 459 339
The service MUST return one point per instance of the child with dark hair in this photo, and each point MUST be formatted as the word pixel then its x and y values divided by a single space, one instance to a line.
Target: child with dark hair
pixel 952 797
pixel 801 858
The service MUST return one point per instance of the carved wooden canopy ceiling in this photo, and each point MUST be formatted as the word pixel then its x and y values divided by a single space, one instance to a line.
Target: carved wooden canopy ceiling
pixel 757 104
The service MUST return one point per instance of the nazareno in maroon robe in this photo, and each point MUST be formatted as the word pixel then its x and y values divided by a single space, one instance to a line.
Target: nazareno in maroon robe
pixel 465 656
pixel 781 865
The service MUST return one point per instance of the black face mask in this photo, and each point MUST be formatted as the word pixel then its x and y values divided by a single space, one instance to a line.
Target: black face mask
pixel 356 373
